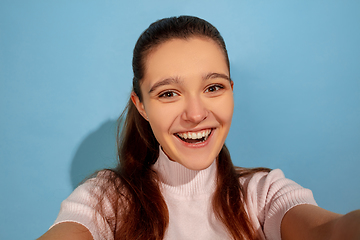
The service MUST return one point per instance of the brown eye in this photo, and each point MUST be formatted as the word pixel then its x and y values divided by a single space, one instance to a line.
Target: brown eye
pixel 168 94
pixel 214 88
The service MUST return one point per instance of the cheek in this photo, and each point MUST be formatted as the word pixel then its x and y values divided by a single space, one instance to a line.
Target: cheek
pixel 161 118
pixel 223 110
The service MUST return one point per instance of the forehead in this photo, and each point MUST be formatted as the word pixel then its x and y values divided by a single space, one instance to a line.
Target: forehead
pixel 184 58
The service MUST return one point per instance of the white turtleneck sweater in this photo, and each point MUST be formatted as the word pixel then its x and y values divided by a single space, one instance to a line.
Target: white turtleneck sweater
pixel 188 195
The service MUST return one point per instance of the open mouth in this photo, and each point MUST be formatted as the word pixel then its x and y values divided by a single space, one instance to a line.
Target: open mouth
pixel 194 137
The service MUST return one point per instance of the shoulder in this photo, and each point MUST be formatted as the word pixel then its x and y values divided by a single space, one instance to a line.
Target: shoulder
pixel 247 174
pixel 102 185
pixel 267 182
pixel 269 195
pixel 258 179
pixel 268 187
pixel 93 205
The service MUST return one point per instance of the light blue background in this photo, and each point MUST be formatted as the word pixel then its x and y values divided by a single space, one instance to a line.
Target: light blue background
pixel 65 76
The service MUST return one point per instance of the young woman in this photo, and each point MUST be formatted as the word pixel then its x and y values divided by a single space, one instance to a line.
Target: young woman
pixel 175 178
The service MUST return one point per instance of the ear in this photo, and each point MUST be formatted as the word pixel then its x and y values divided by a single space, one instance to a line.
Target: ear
pixel 139 105
pixel 232 84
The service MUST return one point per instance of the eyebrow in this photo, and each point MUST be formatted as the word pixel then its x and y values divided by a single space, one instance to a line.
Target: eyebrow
pixel 166 81
pixel 217 75
pixel 176 80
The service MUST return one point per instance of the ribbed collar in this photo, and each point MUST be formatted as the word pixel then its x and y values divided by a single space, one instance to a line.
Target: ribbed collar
pixel 183 181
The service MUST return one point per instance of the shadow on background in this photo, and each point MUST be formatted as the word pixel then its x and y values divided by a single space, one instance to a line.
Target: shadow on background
pixel 97 151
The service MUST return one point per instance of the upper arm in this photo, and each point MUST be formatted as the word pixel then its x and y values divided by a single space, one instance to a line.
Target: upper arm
pixel 67 230
pixel 308 222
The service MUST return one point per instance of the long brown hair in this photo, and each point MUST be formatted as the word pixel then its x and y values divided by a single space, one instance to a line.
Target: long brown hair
pixel 139 207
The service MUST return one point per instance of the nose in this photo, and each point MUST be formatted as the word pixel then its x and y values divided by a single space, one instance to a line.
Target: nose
pixel 195 110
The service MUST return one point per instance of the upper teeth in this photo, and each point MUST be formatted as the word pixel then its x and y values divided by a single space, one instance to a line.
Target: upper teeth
pixel 195 135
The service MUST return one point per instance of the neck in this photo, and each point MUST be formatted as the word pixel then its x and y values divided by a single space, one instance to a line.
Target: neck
pixel 181 180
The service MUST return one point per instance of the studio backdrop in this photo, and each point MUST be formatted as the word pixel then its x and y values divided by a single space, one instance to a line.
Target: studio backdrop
pixel 65 77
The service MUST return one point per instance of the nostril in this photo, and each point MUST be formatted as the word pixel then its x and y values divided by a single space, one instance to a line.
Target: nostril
pixel 194 110
pixel 195 117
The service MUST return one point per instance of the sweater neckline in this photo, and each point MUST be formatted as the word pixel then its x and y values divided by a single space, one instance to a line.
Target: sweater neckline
pixel 180 180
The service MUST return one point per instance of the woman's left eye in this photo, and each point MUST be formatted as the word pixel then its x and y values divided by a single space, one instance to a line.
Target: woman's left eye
pixel 214 88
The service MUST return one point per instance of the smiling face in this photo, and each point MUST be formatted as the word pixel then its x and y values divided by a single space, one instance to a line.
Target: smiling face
pixel 187 98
